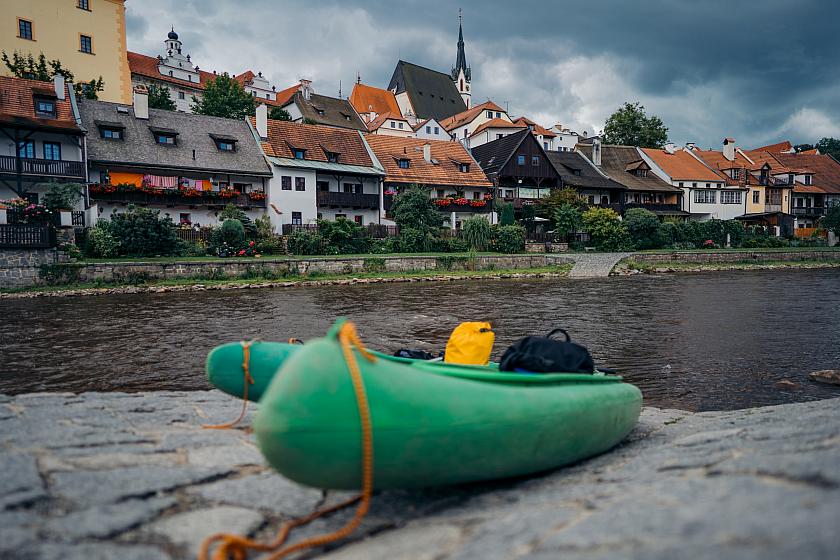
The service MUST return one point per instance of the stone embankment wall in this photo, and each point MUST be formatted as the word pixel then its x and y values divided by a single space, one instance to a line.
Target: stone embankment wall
pixel 140 271
pixel 19 268
pixel 735 257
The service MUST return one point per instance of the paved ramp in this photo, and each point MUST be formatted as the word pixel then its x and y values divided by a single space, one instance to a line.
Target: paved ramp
pixel 594 265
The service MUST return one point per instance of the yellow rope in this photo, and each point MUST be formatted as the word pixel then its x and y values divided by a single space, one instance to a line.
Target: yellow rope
pixel 246 380
pixel 234 547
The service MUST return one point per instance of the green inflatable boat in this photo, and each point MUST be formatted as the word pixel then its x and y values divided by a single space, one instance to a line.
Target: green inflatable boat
pixel 432 423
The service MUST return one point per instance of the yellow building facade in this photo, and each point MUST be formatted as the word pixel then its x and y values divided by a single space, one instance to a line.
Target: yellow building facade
pixel 87 36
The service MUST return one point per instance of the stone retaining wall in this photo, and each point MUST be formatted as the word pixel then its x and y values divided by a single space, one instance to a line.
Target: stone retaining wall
pixel 140 271
pixel 19 268
pixel 733 257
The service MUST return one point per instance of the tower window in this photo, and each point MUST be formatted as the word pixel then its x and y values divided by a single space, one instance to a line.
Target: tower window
pixel 86 44
pixel 25 29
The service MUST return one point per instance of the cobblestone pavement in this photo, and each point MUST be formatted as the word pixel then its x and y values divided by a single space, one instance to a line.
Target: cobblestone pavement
pixel 594 265
pixel 134 477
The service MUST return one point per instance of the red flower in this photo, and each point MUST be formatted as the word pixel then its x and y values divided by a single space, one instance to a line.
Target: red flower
pixel 241 252
pixel 251 244
pixel 461 201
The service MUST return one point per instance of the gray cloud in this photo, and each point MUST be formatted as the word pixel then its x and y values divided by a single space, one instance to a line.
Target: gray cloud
pixel 759 72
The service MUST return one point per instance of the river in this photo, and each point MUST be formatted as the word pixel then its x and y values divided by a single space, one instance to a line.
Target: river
pixel 713 341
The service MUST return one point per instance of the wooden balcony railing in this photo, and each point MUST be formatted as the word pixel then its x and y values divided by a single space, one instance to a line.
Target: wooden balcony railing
pixel 808 210
pixel 26 236
pixel 347 200
pixel 43 167
pixel 206 199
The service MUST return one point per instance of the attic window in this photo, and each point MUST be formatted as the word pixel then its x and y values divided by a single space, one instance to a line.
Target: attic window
pixel 110 130
pixel 224 143
pixel 44 106
pixel 319 111
pixel 404 163
pixel 640 173
pixel 808 179
pixel 333 157
pixel 346 116
pixel 464 167
pixel 299 153
pixel 165 136
pixel 575 171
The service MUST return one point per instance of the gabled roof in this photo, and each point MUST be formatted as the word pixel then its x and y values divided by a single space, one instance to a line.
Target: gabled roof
pixel 380 120
pixel 494 156
pixel 495 123
pixel 761 157
pixel 468 116
pixel 432 94
pixel 681 166
pixel 826 169
pixel 535 128
pixel 17 105
pixel 577 171
pixel 195 149
pixel 336 112
pixel 447 154
pixel 281 97
pixel 367 98
pixel 718 162
pixel 614 161
pixel 776 148
pixel 147 66
pixel 316 140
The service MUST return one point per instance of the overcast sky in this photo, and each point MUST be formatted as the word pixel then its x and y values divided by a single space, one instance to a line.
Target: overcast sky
pixel 760 71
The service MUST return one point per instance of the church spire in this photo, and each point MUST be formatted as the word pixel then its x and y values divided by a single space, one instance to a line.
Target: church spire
pixel 461 58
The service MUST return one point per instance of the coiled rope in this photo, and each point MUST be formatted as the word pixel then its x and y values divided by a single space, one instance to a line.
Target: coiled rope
pixel 247 380
pixel 235 547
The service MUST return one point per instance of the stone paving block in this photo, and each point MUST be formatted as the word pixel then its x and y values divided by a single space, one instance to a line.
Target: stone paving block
pixel 94 551
pixel 190 529
pixel 106 486
pixel 20 480
pixel 268 491
pixel 226 455
pixel 108 520
pixel 418 542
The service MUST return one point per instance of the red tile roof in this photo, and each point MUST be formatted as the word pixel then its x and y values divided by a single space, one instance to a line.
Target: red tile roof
pixel 681 166
pixel 377 123
pixel 825 168
pixel 148 66
pixel 317 140
pixel 760 157
pixel 368 98
pixel 535 128
pixel 496 123
pixel 17 104
pixel 775 148
pixel 469 115
pixel 448 154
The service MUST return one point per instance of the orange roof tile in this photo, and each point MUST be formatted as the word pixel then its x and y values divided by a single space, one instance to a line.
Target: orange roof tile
pixel 496 123
pixel 469 115
pixel 811 152
pixel 448 154
pixel 317 140
pixel 760 157
pixel 826 169
pixel 148 66
pixel 365 99
pixel 776 148
pixel 681 166
pixel 377 123
pixel 535 128
pixel 17 104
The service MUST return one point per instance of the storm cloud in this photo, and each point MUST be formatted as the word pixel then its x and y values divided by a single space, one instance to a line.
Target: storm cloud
pixel 757 71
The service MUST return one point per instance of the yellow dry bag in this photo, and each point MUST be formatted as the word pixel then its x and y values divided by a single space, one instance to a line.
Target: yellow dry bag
pixel 470 343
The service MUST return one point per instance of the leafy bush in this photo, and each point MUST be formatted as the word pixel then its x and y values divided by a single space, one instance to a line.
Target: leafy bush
pixel 302 242
pixel 458 245
pixel 414 240
pixel 142 232
pixel 233 233
pixel 644 228
pixel 268 243
pixel 509 239
pixel 100 242
pixel 62 196
pixel 506 217
pixel 607 231
pixel 477 233
pixel 567 219
pixel 343 236
pixel 413 209
pixel 233 212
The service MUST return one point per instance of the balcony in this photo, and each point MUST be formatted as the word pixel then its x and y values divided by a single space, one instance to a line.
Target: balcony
pixel 43 167
pixel 653 207
pixel 329 199
pixel 474 206
pixel 208 199
pixel 808 211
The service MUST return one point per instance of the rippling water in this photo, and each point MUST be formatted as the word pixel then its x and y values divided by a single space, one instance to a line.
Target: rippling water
pixel 698 342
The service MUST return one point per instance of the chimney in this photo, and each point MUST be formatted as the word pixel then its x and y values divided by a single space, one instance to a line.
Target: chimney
pixel 729 148
pixel 690 145
pixel 58 82
pixel 306 88
pixel 262 120
pixel 427 152
pixel 670 147
pixel 596 152
pixel 371 116
pixel 141 102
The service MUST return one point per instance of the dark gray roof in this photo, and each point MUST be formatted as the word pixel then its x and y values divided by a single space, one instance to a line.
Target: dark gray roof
pixel 432 94
pixel 577 171
pixel 492 156
pixel 195 135
pixel 336 112
pixel 614 161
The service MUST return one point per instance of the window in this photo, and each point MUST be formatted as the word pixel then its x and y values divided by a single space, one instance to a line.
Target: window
pixel 44 107
pixel 535 161
pixel 25 29
pixel 437 130
pixel 322 186
pixel 681 184
pixel 520 160
pixel 693 185
pixel 298 153
pixel 476 195
pixel 440 193
pixel 111 133
pixel 180 95
pixel 545 145
pixel 736 173
pixel 358 220
pixel 185 218
pixel 705 197
pixel 499 136
pixel 332 157
pixel 285 183
pixel 730 197
pixel 165 139
pixel 300 183
pixel 708 185
pixel 401 125
pixel 807 179
pixel 489 114
pixel 756 197
pixel 428 130
pixel 253 94
pixel 84 5
pixel 297 218
pixel 86 44
pixel 498 115
pixel 52 150
pixel 464 167
pixel 404 163
pixel 226 145
pixel 393 124
pixel 26 149
pixel 641 172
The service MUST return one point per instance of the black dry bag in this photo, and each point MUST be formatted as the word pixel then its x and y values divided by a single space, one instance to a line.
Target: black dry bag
pixel 543 354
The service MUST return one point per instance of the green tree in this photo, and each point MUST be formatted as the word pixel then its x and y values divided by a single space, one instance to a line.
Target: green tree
pixel 509 239
pixel 643 227
pixel 233 233
pixel 224 97
pixel 27 66
pixel 606 229
pixel 629 125
pixel 831 220
pixel 91 89
pixel 829 146
pixel 63 196
pixel 529 214
pixel 343 236
pixel 547 207
pixel 279 114
pixel 803 147
pixel 567 220
pixel 141 232
pixel 413 209
pixel 234 212
pixel 477 232
pixel 159 98
pixel 506 217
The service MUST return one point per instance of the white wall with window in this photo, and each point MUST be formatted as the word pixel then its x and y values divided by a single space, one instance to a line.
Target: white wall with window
pixel 291 190
pixel 432 130
pixel 350 185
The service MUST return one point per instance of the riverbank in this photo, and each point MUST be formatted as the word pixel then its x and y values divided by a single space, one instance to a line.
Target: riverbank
pixel 133 476
pixel 633 266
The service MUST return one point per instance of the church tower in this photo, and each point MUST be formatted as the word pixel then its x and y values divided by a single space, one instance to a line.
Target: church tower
pixel 461 73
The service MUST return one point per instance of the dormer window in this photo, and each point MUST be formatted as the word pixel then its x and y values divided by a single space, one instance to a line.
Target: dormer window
pixel 299 153
pixel 332 157
pixel 641 173
pixel 736 173
pixel 791 178
pixel 224 143
pixel 393 124
pixel 464 167
pixel 404 163
pixel 808 179
pixel 489 114
pixel 110 130
pixel 165 136
pixel 44 107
